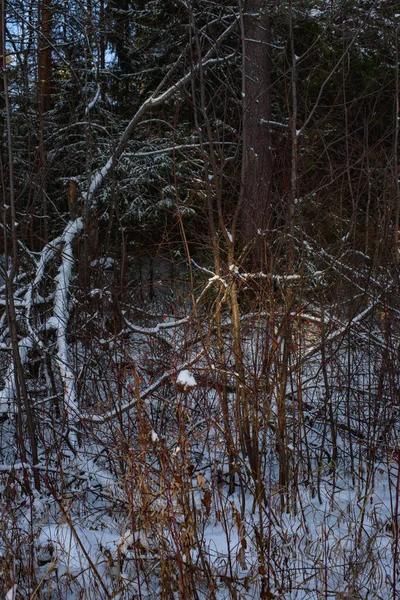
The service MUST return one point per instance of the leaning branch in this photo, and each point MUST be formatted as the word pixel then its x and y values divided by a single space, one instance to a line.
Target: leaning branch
pixel 110 415
pixel 156 99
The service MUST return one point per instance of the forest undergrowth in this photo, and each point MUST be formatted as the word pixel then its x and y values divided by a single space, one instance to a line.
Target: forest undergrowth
pixel 199 313
pixel 183 465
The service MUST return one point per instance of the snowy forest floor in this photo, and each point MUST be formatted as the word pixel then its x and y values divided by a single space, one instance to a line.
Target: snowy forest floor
pixel 178 471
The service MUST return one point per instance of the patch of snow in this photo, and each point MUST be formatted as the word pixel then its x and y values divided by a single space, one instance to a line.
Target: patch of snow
pixel 106 263
pixel 154 436
pixel 8 392
pixel 11 594
pixel 186 379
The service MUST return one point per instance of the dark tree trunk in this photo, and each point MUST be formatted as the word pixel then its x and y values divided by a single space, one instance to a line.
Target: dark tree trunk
pixel 102 36
pixel 256 172
pixel 45 73
pixel 45 68
pixel 89 11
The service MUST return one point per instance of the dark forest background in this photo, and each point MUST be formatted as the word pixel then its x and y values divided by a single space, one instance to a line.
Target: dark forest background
pixel 199 279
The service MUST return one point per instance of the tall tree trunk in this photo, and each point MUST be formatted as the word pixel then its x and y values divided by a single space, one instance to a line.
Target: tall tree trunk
pixel 23 400
pixel 45 103
pixel 102 36
pixel 89 13
pixel 45 67
pixel 256 168
pixel 396 166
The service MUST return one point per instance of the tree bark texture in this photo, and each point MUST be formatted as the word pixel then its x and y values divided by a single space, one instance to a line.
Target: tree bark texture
pixel 45 69
pixel 256 173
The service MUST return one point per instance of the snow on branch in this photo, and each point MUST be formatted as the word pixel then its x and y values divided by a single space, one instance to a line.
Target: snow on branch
pixel 214 277
pixel 159 327
pixel 334 335
pixel 248 276
pixel 338 265
pixel 278 278
pixel 59 320
pixel 171 149
pixel 330 75
pixel 46 256
pixel 61 317
pixel 156 99
pixel 177 322
pixel 274 124
pixel 93 102
pixel 7 394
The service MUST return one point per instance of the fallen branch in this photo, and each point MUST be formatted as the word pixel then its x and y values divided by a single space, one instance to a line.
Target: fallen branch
pixel 109 415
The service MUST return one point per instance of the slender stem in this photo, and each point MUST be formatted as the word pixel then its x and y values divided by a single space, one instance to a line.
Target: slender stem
pixel 21 390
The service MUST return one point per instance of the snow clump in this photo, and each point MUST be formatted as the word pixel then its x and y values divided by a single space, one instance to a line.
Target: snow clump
pixel 186 379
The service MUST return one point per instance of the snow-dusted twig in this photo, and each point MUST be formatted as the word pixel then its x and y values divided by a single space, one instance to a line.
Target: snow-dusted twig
pixel 59 320
pixel 159 327
pixel 156 99
pixel 214 277
pixel 93 102
pixel 78 124
pixel 171 149
pixel 278 278
pixel 274 124
pixel 46 256
pixel 338 265
pixel 334 69
pixel 177 322
pixel 333 336
pixel 249 276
